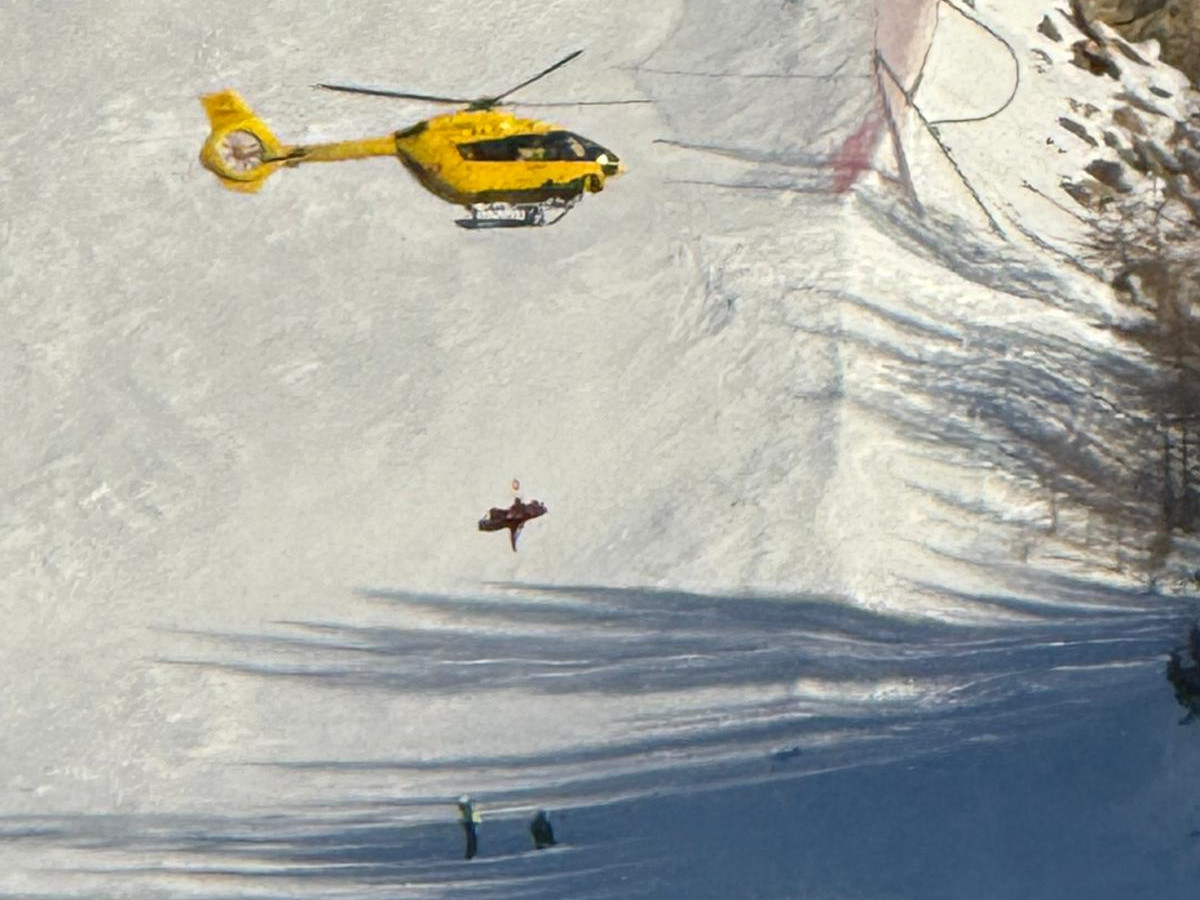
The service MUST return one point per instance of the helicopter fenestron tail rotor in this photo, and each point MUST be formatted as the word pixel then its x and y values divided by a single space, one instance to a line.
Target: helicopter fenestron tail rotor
pixel 241 150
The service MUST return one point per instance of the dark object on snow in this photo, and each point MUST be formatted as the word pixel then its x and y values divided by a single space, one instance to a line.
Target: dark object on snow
pixel 470 823
pixel 1183 671
pixel 543 833
pixel 1047 28
pixel 513 518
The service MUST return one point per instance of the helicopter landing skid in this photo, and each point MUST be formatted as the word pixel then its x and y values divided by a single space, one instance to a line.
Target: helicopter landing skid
pixel 516 215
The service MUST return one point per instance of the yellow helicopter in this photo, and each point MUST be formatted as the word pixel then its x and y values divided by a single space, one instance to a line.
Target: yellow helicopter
pixel 506 171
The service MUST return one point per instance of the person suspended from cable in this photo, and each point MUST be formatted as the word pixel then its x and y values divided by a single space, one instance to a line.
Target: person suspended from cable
pixel 513 518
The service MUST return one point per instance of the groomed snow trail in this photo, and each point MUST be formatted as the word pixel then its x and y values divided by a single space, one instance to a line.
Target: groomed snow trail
pixel 852 473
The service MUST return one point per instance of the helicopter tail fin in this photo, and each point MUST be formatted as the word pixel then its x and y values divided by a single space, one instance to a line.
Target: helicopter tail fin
pixel 241 150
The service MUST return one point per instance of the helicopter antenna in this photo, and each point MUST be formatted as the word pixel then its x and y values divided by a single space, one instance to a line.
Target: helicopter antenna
pixel 492 101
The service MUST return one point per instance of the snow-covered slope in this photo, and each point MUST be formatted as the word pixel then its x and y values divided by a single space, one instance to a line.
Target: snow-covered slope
pixel 845 468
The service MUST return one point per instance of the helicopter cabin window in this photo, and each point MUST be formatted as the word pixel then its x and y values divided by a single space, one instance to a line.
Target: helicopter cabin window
pixel 555 146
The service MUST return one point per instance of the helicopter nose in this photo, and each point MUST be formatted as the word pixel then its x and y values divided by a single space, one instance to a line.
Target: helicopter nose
pixel 610 164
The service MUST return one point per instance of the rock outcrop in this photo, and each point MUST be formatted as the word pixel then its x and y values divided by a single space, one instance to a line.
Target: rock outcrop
pixel 1175 24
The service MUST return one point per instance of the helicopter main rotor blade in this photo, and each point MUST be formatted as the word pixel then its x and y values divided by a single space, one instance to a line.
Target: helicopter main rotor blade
pixel 542 74
pixel 385 92
pixel 580 103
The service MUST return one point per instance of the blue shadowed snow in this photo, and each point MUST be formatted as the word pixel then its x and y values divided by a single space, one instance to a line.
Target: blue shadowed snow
pixel 1021 756
pixel 925 494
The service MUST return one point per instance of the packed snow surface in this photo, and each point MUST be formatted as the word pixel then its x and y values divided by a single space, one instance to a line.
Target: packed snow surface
pixel 856 580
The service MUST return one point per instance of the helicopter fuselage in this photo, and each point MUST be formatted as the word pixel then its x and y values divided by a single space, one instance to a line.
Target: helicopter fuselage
pixel 489 156
pixel 470 157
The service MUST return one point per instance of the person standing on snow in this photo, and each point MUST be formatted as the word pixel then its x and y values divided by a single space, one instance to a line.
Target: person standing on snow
pixel 543 833
pixel 1183 672
pixel 470 822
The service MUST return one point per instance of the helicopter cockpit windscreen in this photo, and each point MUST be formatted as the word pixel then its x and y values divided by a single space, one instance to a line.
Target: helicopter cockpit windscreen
pixel 554 146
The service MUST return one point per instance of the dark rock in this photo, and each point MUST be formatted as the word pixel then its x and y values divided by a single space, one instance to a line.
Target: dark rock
pixel 1175 25
pixel 1047 28
pixel 1078 130
pixel 1108 173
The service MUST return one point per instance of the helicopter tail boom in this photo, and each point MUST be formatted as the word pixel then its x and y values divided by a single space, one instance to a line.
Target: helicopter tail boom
pixel 242 152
